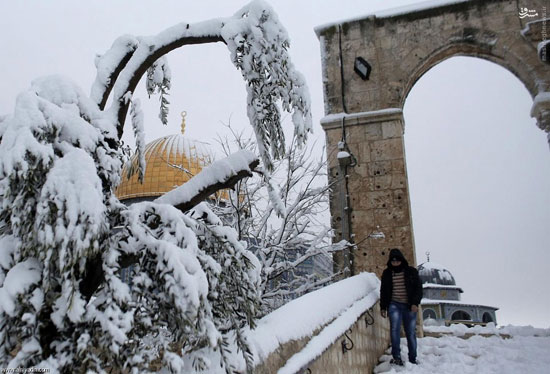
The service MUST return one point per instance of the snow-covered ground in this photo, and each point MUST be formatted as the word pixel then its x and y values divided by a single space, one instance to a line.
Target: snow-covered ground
pixel 527 351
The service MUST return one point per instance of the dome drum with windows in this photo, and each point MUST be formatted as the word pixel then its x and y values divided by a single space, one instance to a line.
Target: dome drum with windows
pixel 442 303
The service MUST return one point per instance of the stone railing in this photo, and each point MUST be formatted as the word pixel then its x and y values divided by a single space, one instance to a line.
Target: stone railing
pixel 355 352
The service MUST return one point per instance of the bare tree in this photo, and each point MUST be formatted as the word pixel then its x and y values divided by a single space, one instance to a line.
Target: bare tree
pixel 283 242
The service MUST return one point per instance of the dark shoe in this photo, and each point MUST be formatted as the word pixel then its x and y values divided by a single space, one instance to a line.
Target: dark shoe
pixel 414 362
pixel 396 361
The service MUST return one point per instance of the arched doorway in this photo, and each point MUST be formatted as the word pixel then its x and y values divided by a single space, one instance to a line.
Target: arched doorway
pixel 461 315
pixel 428 313
pixel 487 317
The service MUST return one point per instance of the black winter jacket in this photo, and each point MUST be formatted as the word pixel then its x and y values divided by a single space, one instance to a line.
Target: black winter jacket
pixel 413 283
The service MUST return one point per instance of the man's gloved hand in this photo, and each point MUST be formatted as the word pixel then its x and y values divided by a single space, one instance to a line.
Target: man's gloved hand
pixel 383 313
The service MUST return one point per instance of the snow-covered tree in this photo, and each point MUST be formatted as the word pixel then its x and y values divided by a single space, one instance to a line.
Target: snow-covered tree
pixel 283 242
pixel 64 236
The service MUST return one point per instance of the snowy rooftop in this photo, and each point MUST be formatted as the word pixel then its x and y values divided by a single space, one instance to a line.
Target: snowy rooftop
pixel 453 302
pixel 445 286
pixel 393 12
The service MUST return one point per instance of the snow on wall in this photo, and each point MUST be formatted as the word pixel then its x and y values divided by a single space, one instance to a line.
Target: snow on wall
pixel 339 304
pixel 417 7
pixel 318 344
pixel 337 117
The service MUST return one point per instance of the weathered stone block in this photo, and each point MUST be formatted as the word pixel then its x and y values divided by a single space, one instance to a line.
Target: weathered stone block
pixel 379 199
pixel 392 130
pixel 355 186
pixel 383 182
pixel 392 217
pixel 398 181
pixel 360 170
pixel 398 166
pixel 333 136
pixel 379 168
pixel 333 103
pixel 355 135
pixel 373 131
pixel 334 172
pixel 361 260
pixel 400 198
pixel 388 149
pixel 403 235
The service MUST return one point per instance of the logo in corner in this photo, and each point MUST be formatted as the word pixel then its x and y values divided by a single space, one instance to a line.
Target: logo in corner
pixel 530 13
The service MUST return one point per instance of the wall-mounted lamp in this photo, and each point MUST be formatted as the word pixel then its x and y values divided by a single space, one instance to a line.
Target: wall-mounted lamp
pixel 344 159
pixel 362 68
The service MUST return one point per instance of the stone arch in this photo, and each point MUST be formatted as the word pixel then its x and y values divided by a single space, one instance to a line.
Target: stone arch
pixel 449 51
pixel 400 47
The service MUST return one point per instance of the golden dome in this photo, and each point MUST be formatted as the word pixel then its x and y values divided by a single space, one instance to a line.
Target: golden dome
pixel 170 161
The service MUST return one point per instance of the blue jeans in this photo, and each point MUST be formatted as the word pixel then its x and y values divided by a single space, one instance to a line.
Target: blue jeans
pixel 398 313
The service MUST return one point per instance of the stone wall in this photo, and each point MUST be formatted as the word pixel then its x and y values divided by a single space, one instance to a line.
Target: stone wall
pixel 367 340
pixel 377 186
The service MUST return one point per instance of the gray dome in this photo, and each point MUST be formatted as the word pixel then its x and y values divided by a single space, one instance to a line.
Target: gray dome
pixel 433 273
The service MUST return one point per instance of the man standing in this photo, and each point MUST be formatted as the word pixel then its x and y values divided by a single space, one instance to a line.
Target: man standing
pixel 400 295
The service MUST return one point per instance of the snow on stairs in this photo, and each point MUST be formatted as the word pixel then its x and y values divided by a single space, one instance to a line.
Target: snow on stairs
pixel 458 349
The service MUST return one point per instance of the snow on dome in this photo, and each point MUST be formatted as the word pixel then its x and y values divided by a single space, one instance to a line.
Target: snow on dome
pixel 171 161
pixel 431 272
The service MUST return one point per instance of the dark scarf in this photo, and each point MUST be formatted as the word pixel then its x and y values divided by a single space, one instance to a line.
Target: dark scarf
pixel 397 269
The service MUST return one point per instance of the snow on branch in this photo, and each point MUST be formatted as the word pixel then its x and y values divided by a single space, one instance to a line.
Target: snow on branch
pixel 258 45
pixel 139 133
pixel 284 266
pixel 221 174
pixel 158 81
pixel 109 66
pixel 130 67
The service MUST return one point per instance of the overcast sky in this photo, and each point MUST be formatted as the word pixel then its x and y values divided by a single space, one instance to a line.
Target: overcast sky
pixel 479 168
